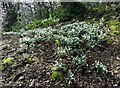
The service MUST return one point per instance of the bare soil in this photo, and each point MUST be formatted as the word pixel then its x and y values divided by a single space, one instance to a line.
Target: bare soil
pixel 31 75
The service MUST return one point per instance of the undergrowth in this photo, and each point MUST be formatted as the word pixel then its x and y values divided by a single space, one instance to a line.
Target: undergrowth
pixel 71 40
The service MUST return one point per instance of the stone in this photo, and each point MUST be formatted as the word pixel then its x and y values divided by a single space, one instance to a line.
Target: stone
pixel 21 78
pixel 115 72
pixel 32 83
pixel 115 85
pixel 117 58
pixel 118 68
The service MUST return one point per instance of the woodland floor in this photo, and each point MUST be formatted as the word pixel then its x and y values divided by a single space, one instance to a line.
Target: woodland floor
pixel 25 75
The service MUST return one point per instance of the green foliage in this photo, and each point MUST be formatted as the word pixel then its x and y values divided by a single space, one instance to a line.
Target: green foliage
pixel 28 60
pixel 57 70
pixel 100 67
pixel 69 11
pixel 56 75
pixel 114 25
pixel 25 40
pixel 41 23
pixel 60 66
pixel 74 36
pixel 7 62
pixel 62 52
pixel 65 12
pixel 71 39
pixel 60 13
pixel 89 33
pixel 70 78
pixel 98 10
pixel 36 60
pixel 32 37
pixel 32 60
pixel 34 24
pixel 16 27
pixel 42 35
pixel 57 43
pixel 79 62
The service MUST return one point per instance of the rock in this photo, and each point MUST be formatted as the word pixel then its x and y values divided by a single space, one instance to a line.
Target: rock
pixel 118 68
pixel 99 79
pixel 118 64
pixel 118 58
pixel 36 84
pixel 47 81
pixel 115 85
pixel 11 83
pixel 115 72
pixel 48 73
pixel 17 76
pixel 10 41
pixel 21 78
pixel 118 75
pixel 32 83
pixel 1 83
pixel 91 86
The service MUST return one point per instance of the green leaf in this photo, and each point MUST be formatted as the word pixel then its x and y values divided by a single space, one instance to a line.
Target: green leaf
pixel 55 75
pixel 54 69
pixel 7 60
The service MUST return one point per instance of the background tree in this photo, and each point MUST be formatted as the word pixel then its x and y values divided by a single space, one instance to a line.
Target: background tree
pixel 11 10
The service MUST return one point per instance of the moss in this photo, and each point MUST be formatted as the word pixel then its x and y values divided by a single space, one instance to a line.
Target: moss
pixel 58 70
pixel 114 25
pixel 36 60
pixel 7 61
pixel 32 60
pixel 56 75
pixel 54 69
pixel 110 41
pixel 1 33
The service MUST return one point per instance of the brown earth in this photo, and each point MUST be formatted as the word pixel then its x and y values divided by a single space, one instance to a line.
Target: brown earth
pixel 31 75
